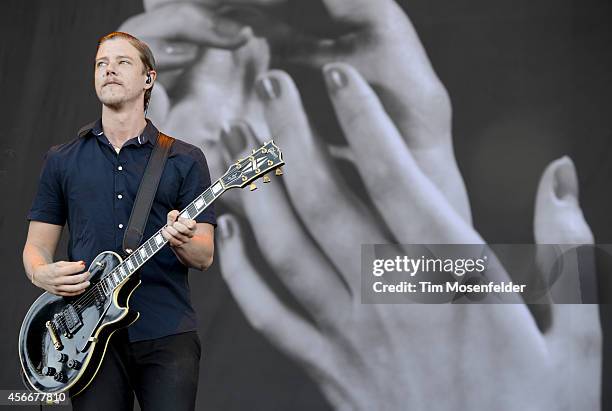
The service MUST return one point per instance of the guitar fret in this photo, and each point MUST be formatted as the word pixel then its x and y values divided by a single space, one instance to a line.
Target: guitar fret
pixel 151 246
pixel 208 196
pixel 216 188
pixel 192 210
pixel 248 169
pixel 148 246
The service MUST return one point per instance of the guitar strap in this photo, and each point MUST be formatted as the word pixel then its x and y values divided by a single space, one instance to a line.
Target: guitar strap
pixel 146 193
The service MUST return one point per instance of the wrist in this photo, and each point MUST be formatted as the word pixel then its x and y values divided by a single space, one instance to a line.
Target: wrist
pixel 36 273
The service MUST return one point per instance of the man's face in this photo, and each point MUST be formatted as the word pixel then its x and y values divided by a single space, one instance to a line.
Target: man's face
pixel 119 73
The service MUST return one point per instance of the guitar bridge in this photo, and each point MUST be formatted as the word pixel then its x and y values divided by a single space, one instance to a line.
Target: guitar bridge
pixel 72 319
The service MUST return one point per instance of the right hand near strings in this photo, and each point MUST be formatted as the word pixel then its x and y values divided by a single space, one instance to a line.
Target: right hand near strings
pixel 62 278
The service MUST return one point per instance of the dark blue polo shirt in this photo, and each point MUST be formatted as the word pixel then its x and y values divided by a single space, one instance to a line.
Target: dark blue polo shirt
pixel 88 185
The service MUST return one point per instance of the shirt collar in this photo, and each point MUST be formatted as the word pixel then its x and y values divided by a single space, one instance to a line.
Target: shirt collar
pixel 148 135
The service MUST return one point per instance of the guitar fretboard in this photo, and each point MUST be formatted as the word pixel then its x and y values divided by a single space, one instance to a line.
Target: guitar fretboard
pixel 155 243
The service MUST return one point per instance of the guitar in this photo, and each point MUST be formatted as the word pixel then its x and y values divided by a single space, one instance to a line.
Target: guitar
pixel 63 340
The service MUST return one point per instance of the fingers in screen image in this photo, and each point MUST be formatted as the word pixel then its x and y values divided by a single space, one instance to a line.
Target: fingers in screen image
pixel 262 307
pixel 279 232
pixel 387 166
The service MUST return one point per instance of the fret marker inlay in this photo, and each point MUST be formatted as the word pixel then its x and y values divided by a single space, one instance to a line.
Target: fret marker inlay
pixel 159 239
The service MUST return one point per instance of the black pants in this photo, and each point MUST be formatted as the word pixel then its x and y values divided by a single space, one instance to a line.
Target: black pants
pixel 163 373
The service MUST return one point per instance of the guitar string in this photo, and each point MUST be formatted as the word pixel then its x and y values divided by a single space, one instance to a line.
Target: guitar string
pixel 90 295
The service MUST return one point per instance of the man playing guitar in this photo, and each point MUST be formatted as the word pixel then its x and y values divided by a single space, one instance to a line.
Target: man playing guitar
pixel 91 183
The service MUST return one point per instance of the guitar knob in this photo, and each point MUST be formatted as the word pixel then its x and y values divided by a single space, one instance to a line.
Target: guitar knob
pixel 74 364
pixel 279 171
pixel 266 179
pixel 48 371
pixel 252 187
pixel 60 377
pixel 61 357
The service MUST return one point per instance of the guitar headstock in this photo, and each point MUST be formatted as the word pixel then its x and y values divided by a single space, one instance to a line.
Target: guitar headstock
pixel 261 161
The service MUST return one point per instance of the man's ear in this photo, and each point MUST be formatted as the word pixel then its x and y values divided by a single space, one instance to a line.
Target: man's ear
pixel 151 76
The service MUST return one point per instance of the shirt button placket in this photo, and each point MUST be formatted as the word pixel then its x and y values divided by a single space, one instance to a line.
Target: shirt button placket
pixel 119 187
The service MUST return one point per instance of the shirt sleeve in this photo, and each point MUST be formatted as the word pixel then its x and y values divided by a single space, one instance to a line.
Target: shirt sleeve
pixel 49 205
pixel 195 183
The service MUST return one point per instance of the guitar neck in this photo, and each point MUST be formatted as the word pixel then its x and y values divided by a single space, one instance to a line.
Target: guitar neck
pixel 149 248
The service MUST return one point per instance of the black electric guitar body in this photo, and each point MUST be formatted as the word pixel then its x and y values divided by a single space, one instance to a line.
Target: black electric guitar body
pixel 63 340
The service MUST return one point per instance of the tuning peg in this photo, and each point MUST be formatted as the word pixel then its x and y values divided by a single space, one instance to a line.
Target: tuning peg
pixel 266 179
pixel 252 187
pixel 279 171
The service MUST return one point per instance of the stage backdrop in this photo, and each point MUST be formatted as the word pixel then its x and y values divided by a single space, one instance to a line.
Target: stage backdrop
pixel 528 82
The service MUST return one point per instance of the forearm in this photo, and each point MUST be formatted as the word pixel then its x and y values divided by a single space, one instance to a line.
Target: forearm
pixel 34 256
pixel 197 253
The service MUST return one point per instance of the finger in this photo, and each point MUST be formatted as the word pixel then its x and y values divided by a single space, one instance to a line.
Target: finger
pixel 359 11
pixel 186 22
pixel 172 216
pixel 173 237
pixel 66 294
pixel 72 288
pixel 264 311
pixel 558 217
pixel 278 232
pixel 172 54
pixel 335 217
pixel 187 223
pixel 399 188
pixel 174 242
pixel 62 263
pixel 559 221
pixel 151 4
pixel 66 268
pixel 386 49
pixel 180 232
pixel 74 279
